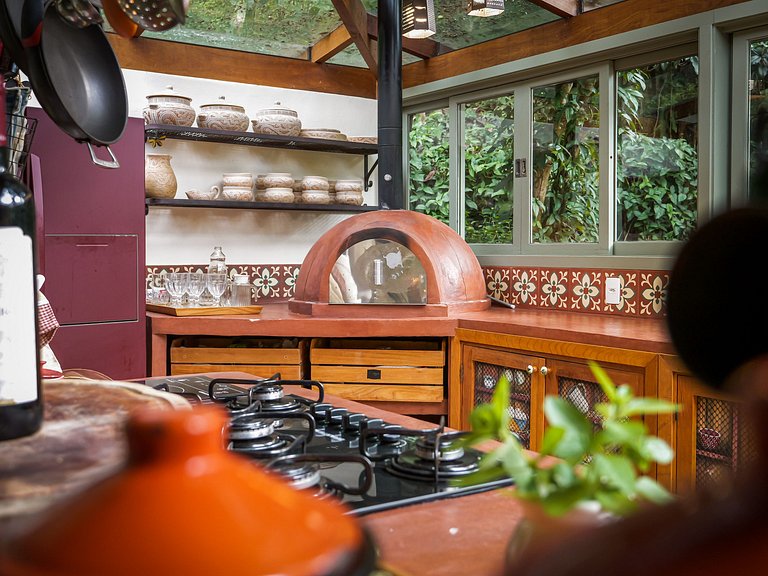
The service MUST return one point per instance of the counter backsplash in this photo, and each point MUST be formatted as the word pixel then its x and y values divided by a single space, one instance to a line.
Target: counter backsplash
pixel 642 292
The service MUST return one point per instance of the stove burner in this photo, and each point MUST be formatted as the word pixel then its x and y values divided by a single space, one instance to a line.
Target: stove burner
pixel 266 391
pixel 268 446
pixel 411 465
pixel 303 471
pixel 446 447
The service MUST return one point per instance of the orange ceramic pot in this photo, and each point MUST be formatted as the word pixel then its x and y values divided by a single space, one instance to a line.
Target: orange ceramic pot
pixel 184 505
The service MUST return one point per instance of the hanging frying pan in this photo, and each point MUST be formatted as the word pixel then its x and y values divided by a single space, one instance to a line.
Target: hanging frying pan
pixel 10 31
pixel 75 76
pixel 717 314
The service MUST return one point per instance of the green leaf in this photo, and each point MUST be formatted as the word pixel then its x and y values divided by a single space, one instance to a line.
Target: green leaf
pixel 606 384
pixel 643 406
pixel 652 491
pixel 577 430
pixel 616 471
pixel 552 437
pixel 658 450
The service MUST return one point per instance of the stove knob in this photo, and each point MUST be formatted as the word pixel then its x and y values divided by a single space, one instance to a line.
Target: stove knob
pixel 351 421
pixel 391 438
pixel 367 423
pixel 321 411
pixel 336 415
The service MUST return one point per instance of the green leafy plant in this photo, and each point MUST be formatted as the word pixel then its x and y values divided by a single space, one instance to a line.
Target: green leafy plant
pixel 578 461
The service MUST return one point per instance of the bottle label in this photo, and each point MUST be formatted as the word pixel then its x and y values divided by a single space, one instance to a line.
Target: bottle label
pixel 18 343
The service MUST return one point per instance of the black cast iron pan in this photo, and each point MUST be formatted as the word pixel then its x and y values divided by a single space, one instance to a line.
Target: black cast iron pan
pixel 717 307
pixel 75 76
pixel 10 31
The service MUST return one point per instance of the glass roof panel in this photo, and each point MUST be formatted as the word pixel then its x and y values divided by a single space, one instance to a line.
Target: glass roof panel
pixel 274 27
pixel 289 27
pixel 350 56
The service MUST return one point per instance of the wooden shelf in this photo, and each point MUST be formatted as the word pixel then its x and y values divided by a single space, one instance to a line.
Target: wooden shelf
pixel 158 132
pixel 182 203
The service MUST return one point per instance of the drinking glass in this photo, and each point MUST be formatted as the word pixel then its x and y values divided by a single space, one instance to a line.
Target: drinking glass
pixel 176 283
pixel 195 288
pixel 216 283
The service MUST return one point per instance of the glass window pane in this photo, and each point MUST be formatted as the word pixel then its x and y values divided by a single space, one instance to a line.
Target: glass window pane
pixel 758 118
pixel 657 161
pixel 428 163
pixel 565 200
pixel 489 159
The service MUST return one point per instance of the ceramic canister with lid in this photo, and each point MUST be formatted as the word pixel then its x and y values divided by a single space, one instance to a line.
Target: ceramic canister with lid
pixel 223 116
pixel 168 107
pixel 277 120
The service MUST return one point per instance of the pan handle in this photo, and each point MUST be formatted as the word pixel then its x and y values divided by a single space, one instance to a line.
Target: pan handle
pixel 103 163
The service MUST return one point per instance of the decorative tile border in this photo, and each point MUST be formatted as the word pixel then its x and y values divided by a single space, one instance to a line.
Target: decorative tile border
pixel 642 293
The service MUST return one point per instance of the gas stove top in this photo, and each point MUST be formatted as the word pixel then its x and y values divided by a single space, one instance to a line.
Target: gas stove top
pixel 366 462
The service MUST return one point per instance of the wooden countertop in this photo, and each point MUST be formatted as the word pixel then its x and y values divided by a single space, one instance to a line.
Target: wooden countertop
pixel 649 335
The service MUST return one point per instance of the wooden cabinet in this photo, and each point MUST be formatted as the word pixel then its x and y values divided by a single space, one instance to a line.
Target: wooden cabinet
pixel 261 357
pixel 712 434
pixel 406 374
pixel 537 367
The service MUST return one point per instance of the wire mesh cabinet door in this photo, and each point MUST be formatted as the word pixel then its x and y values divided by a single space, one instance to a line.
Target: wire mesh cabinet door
pixel 482 369
pixel 714 437
pixel 575 382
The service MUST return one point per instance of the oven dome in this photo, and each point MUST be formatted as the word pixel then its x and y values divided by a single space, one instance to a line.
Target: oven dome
pixel 432 253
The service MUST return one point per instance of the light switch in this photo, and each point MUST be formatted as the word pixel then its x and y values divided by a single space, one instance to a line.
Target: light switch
pixel 612 290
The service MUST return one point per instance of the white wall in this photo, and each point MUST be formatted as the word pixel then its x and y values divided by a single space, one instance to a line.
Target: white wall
pixel 187 235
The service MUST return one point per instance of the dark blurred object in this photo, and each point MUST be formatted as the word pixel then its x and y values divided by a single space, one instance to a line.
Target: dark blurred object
pixel 10 31
pixel 758 181
pixel 716 315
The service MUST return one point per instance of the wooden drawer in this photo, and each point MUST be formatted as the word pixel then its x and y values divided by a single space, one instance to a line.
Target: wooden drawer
pixel 258 356
pixel 380 369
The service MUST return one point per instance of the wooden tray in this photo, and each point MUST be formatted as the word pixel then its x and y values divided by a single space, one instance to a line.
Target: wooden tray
pixel 214 311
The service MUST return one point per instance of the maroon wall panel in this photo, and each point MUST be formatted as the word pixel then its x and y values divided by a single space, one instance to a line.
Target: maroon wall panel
pixel 92 278
pixel 109 348
pixel 94 249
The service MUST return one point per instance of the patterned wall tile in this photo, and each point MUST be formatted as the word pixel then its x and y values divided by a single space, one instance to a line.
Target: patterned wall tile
pixel 267 281
pixel 628 292
pixel 554 288
pixel 289 274
pixel 525 290
pixel 653 293
pixel 586 293
pixel 497 282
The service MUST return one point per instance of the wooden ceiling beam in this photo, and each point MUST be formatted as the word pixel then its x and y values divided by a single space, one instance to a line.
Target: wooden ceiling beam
pixel 355 18
pixel 563 8
pixel 589 26
pixel 423 48
pixel 179 59
pixel 328 46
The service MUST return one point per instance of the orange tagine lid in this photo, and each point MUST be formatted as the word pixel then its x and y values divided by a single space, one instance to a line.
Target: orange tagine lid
pixel 185 505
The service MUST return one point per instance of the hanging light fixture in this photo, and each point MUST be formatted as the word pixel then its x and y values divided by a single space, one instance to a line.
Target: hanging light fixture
pixel 486 8
pixel 418 18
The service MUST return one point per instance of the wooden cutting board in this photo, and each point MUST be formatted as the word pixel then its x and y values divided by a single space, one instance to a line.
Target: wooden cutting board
pixel 214 311
pixel 80 442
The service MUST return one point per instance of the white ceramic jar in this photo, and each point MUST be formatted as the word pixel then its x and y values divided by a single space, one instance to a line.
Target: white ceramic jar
pixel 223 116
pixel 278 180
pixel 315 183
pixel 159 179
pixel 323 134
pixel 241 179
pixel 169 108
pixel 353 185
pixel 277 120
pixel 315 197
pixel 238 193
pixel 281 195
pixel 350 198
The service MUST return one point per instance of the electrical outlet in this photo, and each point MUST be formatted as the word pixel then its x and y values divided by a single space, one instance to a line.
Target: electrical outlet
pixel 612 290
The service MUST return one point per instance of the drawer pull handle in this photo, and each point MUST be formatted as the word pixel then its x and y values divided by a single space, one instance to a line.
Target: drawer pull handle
pixel 544 370
pixel 374 374
pixel 530 369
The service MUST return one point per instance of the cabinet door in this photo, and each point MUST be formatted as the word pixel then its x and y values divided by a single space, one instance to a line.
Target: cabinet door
pixel 714 437
pixel 575 382
pixel 482 368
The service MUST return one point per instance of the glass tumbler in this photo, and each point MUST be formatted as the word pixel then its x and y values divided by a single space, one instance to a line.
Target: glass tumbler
pixel 176 284
pixel 216 283
pixel 195 288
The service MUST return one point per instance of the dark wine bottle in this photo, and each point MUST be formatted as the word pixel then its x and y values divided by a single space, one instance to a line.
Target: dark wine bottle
pixel 21 402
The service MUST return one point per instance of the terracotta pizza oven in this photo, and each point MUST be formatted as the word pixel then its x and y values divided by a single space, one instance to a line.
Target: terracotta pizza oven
pixel 389 263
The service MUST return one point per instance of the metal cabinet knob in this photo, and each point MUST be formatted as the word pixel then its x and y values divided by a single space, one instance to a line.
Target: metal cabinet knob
pixel 530 369
pixel 544 370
